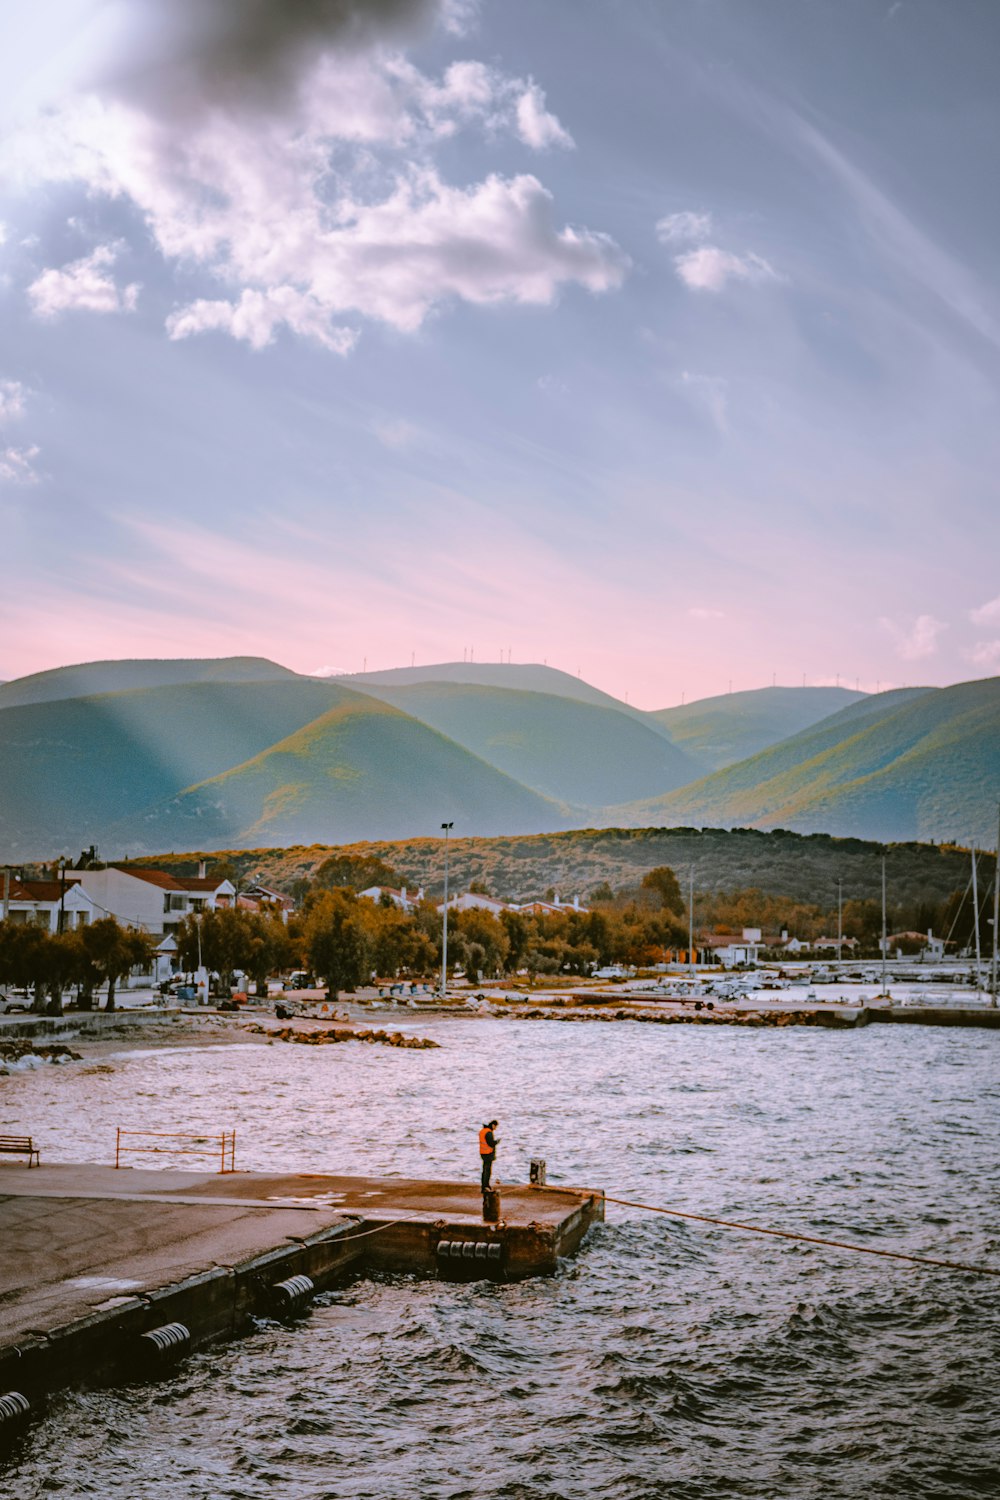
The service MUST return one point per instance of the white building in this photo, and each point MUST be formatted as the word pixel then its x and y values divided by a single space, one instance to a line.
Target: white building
pixel 404 899
pixel 152 900
pixel 42 901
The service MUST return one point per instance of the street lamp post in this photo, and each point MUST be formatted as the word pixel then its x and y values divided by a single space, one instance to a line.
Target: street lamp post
pixel 446 829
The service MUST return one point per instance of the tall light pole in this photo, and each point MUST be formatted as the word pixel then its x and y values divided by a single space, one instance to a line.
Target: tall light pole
pixel 446 829
pixel 840 921
pixel 691 922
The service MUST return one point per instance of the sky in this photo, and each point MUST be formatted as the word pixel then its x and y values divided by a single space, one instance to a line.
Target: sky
pixel 657 340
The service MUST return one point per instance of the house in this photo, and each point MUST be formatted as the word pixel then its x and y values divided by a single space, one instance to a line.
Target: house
pixel 732 952
pixel 152 900
pixel 44 901
pixel 474 901
pixel 261 898
pixel 401 898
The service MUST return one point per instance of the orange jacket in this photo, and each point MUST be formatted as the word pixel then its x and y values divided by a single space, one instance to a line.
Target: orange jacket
pixel 485 1136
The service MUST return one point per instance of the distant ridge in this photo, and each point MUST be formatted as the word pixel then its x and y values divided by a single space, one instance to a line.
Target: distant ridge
pixel 723 730
pixel 565 748
pixel 530 677
pixel 118 676
pixel 910 764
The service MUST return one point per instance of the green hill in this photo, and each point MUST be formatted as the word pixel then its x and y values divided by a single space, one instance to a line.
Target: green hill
pixel 363 767
pixel 721 731
pixel 120 676
pixel 525 677
pixel 572 751
pixel 802 867
pixel 922 764
pixel 73 768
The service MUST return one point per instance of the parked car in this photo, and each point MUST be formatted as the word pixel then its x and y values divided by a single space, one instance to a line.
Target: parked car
pixel 13 1002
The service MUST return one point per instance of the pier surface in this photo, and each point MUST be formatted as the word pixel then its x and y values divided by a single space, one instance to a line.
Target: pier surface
pixel 95 1256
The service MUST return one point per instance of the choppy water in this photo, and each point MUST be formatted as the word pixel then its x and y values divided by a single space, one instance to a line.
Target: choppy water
pixel 667 1359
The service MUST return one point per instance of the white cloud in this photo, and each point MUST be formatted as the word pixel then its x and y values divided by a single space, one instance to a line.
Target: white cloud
pixel 395 432
pixel 83 286
pixel 257 316
pixel 12 396
pixel 987 613
pixel 535 125
pixel 916 640
pixel 712 393
pixel 708 268
pixel 17 465
pixel 986 654
pixel 703 612
pixel 679 228
pixel 322 201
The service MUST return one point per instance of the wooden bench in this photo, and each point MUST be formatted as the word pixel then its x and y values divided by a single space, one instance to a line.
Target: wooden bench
pixel 20 1145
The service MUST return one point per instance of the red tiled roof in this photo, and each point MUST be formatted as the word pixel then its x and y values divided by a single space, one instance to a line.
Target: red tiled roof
pixel 38 890
pixel 151 877
pixel 170 882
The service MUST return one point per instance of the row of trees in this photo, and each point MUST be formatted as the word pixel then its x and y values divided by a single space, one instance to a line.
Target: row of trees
pixel 48 964
pixel 346 939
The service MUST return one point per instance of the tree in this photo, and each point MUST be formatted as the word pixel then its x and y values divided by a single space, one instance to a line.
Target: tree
pixel 23 958
pixel 115 951
pixel 355 871
pixel 664 882
pixel 335 940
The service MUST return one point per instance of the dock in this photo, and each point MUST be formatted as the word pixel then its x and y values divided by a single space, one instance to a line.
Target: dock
pixel 99 1264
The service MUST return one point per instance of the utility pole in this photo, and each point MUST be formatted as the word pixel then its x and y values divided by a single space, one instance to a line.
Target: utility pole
pixel 446 827
pixel 691 921
pixel 840 920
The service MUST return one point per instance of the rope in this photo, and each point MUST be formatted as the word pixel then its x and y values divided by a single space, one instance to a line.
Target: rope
pixel 809 1239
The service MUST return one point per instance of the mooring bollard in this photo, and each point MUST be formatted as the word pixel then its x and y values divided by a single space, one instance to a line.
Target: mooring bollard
pixel 536 1173
pixel 491 1206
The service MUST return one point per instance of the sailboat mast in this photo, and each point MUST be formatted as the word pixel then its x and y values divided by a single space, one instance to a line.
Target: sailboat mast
pixel 885 935
pixel 975 912
pixel 996 916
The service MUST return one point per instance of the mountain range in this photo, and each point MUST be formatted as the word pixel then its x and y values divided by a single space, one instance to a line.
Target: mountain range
pixel 144 756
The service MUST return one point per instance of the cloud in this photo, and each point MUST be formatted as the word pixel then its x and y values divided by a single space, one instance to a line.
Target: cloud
pixel 12 398
pixel 312 194
pixel 17 465
pixel 702 612
pixel 918 639
pixel 83 286
pixel 535 125
pixel 712 393
pixel 179 58
pixel 395 432
pixel 256 317
pixel 709 269
pixel 679 228
pixel 987 613
pixel 986 654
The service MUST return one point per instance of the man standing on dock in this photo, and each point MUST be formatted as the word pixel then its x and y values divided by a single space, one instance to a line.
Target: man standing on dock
pixel 488 1151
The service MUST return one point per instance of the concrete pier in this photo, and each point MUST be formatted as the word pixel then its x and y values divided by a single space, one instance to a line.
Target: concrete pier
pixel 93 1258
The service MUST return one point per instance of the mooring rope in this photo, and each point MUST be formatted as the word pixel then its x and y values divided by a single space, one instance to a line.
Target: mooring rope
pixel 808 1239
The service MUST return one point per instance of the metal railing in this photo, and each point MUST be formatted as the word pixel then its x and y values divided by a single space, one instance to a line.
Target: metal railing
pixel 222 1146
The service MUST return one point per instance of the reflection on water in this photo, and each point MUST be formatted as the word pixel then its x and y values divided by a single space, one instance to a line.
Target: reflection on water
pixel 667 1359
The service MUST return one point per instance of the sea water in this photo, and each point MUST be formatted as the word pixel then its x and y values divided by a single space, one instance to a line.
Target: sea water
pixel 666 1359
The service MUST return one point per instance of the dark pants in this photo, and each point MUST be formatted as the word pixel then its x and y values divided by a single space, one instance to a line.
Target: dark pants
pixel 488 1168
